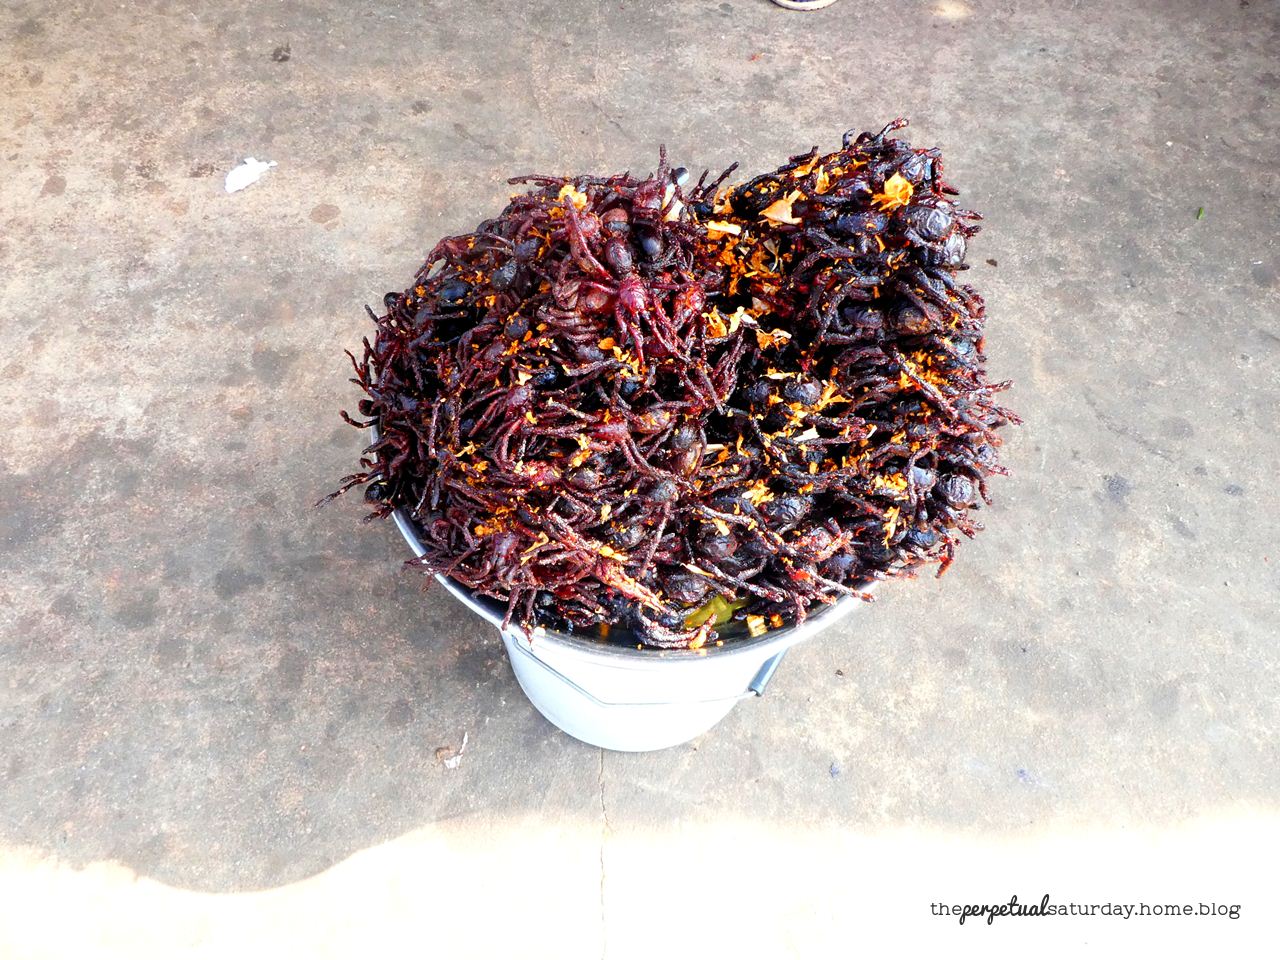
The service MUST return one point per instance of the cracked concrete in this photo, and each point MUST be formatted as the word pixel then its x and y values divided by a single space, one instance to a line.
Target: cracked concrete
pixel 604 841
pixel 218 703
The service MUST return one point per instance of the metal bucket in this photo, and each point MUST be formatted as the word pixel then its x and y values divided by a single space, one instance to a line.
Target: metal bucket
pixel 622 698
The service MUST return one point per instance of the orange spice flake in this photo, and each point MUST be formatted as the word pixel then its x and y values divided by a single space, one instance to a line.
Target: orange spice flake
pixel 897 193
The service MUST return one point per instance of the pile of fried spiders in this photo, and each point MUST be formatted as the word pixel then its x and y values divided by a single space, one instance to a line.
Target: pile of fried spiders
pixel 668 413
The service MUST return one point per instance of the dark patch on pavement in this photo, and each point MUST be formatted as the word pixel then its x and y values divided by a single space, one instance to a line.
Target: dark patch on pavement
pixel 1118 488
pixel 399 716
pixel 270 364
pixel 1165 699
pixel 230 582
pixel 324 213
pixel 140 611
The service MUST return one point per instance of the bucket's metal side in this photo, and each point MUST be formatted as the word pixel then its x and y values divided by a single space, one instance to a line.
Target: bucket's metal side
pixel 526 649
pixel 631 727
pixel 816 623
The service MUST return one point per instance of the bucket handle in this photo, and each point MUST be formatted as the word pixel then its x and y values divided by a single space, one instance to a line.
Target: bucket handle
pixel 755 688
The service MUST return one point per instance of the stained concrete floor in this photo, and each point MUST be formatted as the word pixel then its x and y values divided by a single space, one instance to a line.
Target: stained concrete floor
pixel 211 689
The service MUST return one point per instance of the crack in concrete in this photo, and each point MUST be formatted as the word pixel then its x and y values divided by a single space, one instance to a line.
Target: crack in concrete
pixel 604 835
pixel 1122 428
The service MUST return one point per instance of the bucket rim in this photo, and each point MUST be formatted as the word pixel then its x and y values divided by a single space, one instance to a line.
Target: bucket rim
pixel 782 636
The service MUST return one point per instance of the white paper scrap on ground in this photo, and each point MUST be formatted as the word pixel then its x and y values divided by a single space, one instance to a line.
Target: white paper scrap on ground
pixel 246 173
pixel 451 763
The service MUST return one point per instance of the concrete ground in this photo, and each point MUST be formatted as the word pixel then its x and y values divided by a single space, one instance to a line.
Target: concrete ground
pixel 220 710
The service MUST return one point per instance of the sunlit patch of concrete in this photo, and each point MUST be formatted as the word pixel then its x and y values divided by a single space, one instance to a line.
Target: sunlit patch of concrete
pixel 719 888
pixel 952 9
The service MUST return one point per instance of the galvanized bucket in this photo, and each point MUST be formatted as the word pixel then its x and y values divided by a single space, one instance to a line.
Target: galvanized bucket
pixel 622 698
